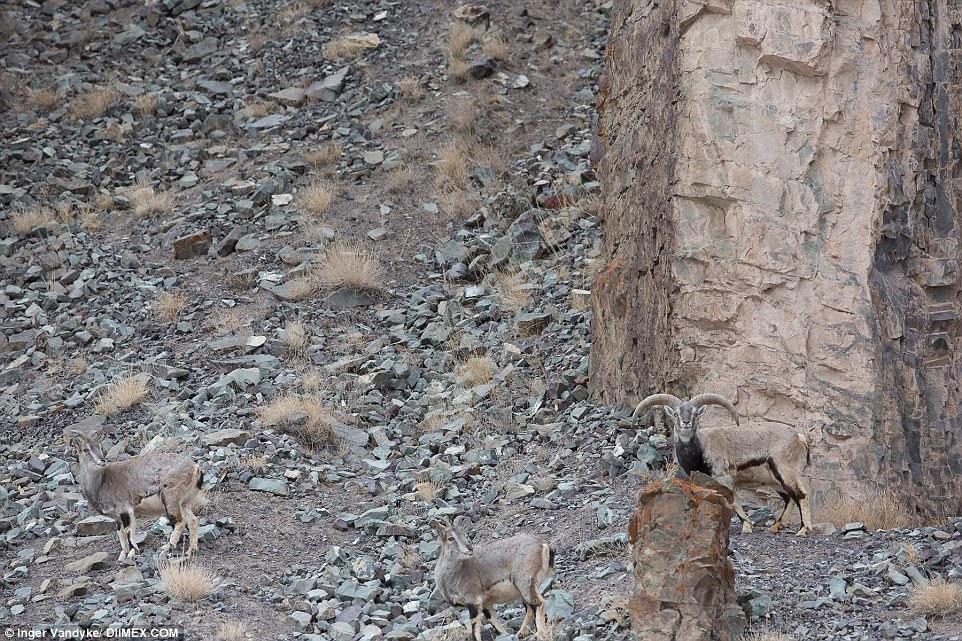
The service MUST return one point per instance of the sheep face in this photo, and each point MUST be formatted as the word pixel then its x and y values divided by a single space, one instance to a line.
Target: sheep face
pixel 685 419
pixel 454 537
pixel 87 444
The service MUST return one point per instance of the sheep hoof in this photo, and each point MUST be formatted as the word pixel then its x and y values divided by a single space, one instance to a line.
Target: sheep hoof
pixel 802 532
pixel 747 528
pixel 776 528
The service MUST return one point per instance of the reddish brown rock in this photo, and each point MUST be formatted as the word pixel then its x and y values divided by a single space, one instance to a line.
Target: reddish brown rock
pixel 684 582
pixel 192 245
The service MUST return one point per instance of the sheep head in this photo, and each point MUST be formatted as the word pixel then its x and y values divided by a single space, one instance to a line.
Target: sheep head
pixel 684 415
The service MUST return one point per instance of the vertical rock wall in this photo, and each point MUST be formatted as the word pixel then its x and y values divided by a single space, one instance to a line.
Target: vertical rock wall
pixel 783 192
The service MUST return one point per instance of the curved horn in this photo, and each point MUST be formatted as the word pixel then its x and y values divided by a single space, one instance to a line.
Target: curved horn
pixel 656 399
pixel 715 399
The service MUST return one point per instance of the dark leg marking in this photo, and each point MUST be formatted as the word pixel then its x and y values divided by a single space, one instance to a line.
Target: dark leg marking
pixel 124 519
pixel 787 499
pixel 550 557
pixel 472 611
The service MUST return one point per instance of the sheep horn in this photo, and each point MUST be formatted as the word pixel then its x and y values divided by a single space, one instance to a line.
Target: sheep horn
pixel 715 399
pixel 656 399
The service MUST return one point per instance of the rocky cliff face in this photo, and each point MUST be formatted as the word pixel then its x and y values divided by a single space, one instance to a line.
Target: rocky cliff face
pixel 783 192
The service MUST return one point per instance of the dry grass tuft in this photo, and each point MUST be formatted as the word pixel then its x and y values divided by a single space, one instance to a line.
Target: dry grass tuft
pixel 121 395
pixel 169 306
pixel 452 166
pixel 146 201
pixel 146 103
pixel 881 510
pixel 229 321
pixel 477 370
pixel 410 89
pixel 349 266
pixel 43 99
pixel 317 197
pixel 253 463
pixel 512 293
pixel 938 598
pixel 460 37
pixel 302 288
pixel 495 46
pixel 462 115
pixel 428 490
pixel 768 636
pixel 307 418
pixel 187 581
pixel 312 381
pixel 324 156
pixel 94 103
pixel 458 69
pixel 255 109
pixel 295 338
pixel 458 203
pixel 231 631
pixel 27 220
pixel 346 48
pixel 400 178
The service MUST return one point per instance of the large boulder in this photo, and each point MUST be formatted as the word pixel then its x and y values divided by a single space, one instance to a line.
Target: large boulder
pixel 684 582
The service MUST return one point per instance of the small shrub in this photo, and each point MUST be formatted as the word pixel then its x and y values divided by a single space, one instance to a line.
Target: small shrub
pixel 477 370
pixel 317 197
pixel 879 510
pixel 347 47
pixel 349 266
pixel 306 418
pixel 458 69
pixel 27 220
pixel 77 366
pixel 121 395
pixel 146 201
pixel 169 306
pixel 94 103
pixel 324 156
pixel 187 581
pixel 295 337
pixel 428 490
pixel 495 46
pixel 511 291
pixel 253 463
pixel 938 598
pixel 452 166
pixel 410 89
pixel 43 99
pixel 463 115
pixel 255 109
pixel 232 631
pixel 460 37
pixel 146 103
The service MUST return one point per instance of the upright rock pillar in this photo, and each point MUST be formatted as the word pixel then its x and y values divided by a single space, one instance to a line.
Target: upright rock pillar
pixel 684 582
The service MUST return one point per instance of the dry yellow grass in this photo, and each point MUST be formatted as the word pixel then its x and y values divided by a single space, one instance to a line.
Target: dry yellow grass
pixel 511 291
pixel 187 581
pixel 27 220
pixel 458 69
pixel 767 636
pixel 230 321
pixel 317 197
pixel 169 306
pixel 43 99
pixel 458 203
pixel 463 115
pixel 428 490
pixel 94 103
pixel 305 417
pixel 410 89
pixel 295 338
pixel 292 12
pixel 400 178
pixel 324 156
pixel 253 463
pixel 495 46
pixel 302 288
pixel 146 103
pixel 121 395
pixel 477 370
pixel 232 631
pixel 879 510
pixel 460 37
pixel 347 265
pixel 146 201
pixel 452 166
pixel 312 381
pixel 347 47
pixel 255 109
pixel 938 598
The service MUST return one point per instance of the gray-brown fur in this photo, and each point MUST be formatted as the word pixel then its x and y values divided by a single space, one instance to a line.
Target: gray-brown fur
pixel 149 485
pixel 502 571
pixel 756 454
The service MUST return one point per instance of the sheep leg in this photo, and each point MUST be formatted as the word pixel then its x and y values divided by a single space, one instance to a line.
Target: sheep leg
pixel 529 609
pixel 176 534
pixel 540 618
pixel 193 523
pixel 474 613
pixel 777 525
pixel 131 533
pixel 495 621
pixel 740 511
pixel 804 508
pixel 123 543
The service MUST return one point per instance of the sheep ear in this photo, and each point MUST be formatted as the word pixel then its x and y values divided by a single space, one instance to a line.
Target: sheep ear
pixel 701 410
pixel 462 523
pixel 438 525
pixel 670 411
